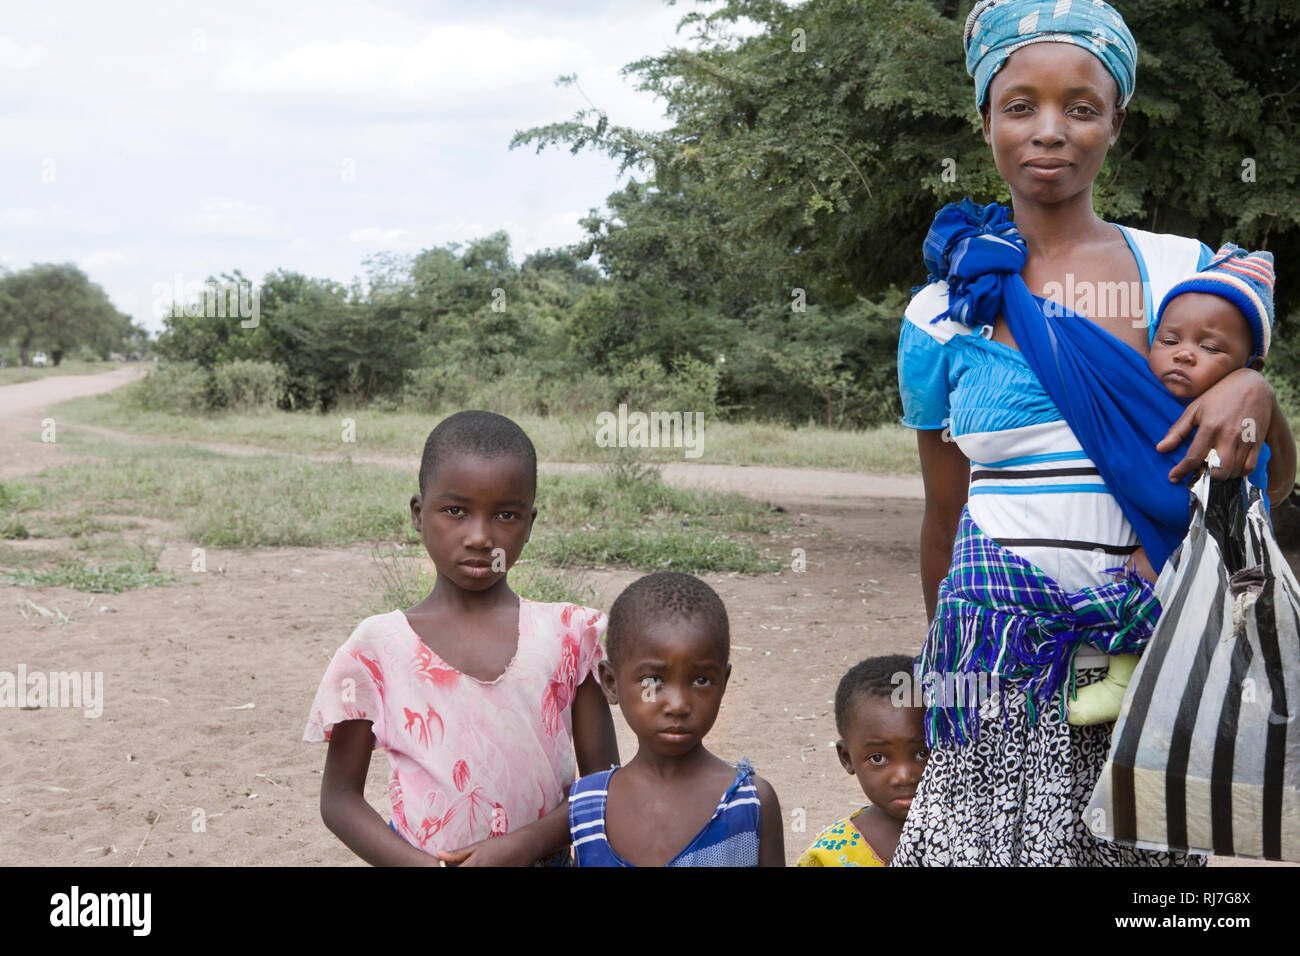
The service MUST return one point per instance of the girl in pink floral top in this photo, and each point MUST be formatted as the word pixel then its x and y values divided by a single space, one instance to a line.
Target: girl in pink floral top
pixel 480 697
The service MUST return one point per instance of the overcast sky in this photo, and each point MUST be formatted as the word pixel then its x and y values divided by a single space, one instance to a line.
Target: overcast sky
pixel 149 140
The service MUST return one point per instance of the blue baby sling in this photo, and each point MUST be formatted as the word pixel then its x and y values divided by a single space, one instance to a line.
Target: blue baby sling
pixel 1103 388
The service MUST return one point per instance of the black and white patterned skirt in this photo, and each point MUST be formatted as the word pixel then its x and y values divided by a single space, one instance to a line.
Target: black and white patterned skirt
pixel 1016 796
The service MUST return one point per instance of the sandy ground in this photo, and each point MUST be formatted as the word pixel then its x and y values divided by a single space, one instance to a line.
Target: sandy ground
pixel 197 757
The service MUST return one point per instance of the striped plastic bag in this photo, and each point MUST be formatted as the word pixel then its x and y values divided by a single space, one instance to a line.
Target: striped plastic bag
pixel 1205 755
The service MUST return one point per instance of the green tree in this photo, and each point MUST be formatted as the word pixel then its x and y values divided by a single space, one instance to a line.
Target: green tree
pixel 465 301
pixel 808 161
pixel 223 324
pixel 333 342
pixel 56 307
pixel 815 154
pixel 784 161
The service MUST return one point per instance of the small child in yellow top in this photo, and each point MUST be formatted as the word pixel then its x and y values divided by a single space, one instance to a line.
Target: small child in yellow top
pixel 883 745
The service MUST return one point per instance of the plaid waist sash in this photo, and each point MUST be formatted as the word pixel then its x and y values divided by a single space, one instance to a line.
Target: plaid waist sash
pixel 999 614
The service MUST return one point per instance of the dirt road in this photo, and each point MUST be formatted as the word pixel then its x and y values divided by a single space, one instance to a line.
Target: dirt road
pixel 23 414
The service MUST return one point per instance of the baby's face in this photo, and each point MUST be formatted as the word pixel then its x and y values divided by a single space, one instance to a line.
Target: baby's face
pixel 1201 339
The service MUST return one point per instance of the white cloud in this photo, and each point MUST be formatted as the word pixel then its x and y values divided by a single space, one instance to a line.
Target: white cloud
pixel 526 236
pixel 545 232
pixel 128 302
pixel 439 234
pixel 25 216
pixel 59 218
pixel 373 234
pixel 100 259
pixel 235 218
pixel 200 162
pixel 17 56
pixel 453 64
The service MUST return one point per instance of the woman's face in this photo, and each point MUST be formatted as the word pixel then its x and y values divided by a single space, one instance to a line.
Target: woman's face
pixel 1050 117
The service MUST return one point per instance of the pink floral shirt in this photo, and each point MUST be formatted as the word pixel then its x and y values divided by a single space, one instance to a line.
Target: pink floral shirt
pixel 468 759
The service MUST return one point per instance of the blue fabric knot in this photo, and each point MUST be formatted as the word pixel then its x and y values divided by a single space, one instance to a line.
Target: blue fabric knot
pixel 973 248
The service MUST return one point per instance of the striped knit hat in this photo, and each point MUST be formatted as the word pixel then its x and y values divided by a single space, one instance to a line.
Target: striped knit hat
pixel 1243 278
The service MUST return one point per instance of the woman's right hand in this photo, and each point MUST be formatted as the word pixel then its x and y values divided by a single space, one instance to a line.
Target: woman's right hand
pixel 1232 417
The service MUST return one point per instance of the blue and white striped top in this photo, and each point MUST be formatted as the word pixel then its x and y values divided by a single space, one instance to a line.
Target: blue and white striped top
pixel 730 838
pixel 1032 487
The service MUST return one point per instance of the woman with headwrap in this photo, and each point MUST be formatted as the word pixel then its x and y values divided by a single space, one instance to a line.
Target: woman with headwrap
pixel 1037 452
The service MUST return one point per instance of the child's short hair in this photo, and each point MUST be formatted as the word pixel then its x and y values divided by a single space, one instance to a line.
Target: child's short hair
pixel 660 595
pixel 873 677
pixel 478 433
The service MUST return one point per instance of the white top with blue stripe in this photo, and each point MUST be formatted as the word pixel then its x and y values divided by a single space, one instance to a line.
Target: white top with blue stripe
pixel 1032 488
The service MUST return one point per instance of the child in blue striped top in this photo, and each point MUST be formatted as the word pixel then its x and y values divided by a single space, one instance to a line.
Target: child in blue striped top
pixel 667 646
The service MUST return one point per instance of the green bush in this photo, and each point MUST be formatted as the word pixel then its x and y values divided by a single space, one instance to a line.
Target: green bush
pixel 175 387
pixel 509 386
pixel 245 385
pixel 1282 367
pixel 833 366
pixel 241 385
pixel 427 388
pixel 514 386
pixel 691 386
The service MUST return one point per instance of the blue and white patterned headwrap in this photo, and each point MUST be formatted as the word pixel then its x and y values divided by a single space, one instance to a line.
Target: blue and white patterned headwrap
pixel 997 28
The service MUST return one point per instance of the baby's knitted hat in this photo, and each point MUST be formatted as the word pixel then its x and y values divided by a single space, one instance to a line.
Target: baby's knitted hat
pixel 1243 278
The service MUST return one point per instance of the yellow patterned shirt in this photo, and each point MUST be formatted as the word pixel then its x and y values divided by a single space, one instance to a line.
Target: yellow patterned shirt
pixel 840 844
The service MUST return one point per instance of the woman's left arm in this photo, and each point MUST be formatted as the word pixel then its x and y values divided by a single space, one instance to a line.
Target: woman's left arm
pixel 1281 462
pixel 1233 417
